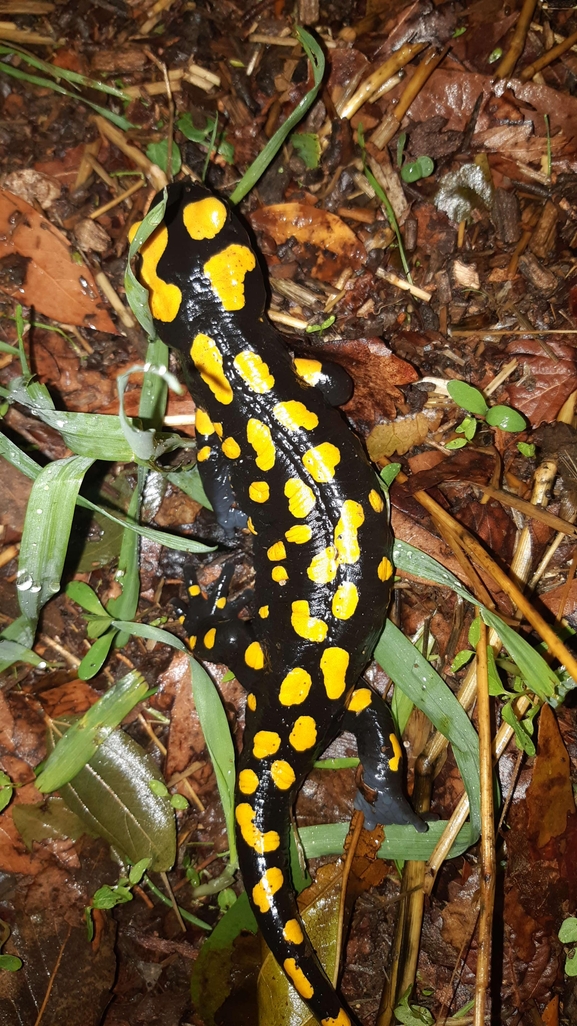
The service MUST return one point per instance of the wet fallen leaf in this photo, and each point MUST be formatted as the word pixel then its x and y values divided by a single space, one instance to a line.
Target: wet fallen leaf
pixel 335 245
pixel 550 794
pixel 54 284
pixel 546 383
pixel 402 434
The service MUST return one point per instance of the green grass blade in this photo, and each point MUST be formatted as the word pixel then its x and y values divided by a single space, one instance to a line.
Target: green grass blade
pixel 68 76
pixel 416 678
pixel 83 738
pixel 136 293
pixel 47 83
pixel 401 842
pixel 153 396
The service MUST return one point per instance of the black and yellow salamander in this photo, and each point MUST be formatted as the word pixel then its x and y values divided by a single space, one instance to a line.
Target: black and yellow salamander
pixel 275 456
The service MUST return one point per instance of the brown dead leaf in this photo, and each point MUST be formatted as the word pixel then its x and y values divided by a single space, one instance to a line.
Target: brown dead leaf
pixel 402 434
pixel 54 284
pixel 550 794
pixel 465 465
pixel 336 245
pixel 545 384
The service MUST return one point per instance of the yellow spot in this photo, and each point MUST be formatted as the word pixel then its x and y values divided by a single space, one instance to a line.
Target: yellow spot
pixel 194 590
pixel 227 271
pixel 304 734
pixel 305 625
pixel 294 415
pixel 181 619
pixel 301 498
pixel 263 891
pixel 254 837
pixel 334 665
pixel 279 574
pixel 299 534
pixel 218 428
pixel 360 699
pixel 345 600
pixel 346 540
pixel 283 774
pixel 247 781
pixel 251 526
pixel 203 453
pixel 251 701
pixel 205 218
pixel 323 566
pixel 254 656
pixel 266 742
pixel 295 687
pixel 207 359
pixel 276 551
pixel 260 438
pixel 192 641
pixel 203 423
pixel 263 612
pixel 254 371
pixel 164 299
pixel 231 448
pixel 395 761
pixel 300 982
pixel 342 1019
pixel 321 461
pixel 221 603
pixel 292 932
pixel 259 491
pixel 384 569
pixel 309 370
pixel 209 638
pixel 376 501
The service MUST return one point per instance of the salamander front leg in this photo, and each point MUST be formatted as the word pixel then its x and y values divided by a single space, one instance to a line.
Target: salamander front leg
pixel 380 795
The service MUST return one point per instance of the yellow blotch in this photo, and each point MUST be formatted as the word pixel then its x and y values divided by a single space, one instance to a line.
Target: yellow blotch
pixel 254 656
pixel 304 734
pixel 266 742
pixel 203 423
pixel 194 590
pixel 301 498
pixel 300 982
pixel 334 665
pixel 218 428
pixel 203 453
pixel 221 603
pixel 205 218
pixel 254 837
pixel 294 415
pixel 360 699
pixel 376 501
pixel 323 566
pixel 395 762
pixel 181 619
pixel 263 612
pixel 384 569
pixel 262 892
pixel 309 370
pixel 279 574
pixel 209 638
pixel 260 438
pixel 254 371
pixel 231 448
pixel 283 774
pixel 259 491
pixel 299 534
pixel 165 299
pixel 342 1019
pixel 321 461
pixel 305 625
pixel 295 687
pixel 226 272
pixel 251 526
pixel 345 600
pixel 251 701
pixel 276 551
pixel 346 539
pixel 292 932
pixel 192 641
pixel 247 781
pixel 207 358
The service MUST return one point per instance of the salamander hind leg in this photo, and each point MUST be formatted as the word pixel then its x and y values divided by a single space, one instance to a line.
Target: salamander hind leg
pixel 380 795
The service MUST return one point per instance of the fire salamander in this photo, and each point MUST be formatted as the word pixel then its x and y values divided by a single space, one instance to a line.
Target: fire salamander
pixel 275 456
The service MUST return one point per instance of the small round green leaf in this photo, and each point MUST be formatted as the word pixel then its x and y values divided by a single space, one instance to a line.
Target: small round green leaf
pixel 422 167
pixel 456 443
pixel 568 932
pixel 178 801
pixel 10 963
pixel 158 787
pixel 467 397
pixel 526 449
pixel 85 597
pixel 505 418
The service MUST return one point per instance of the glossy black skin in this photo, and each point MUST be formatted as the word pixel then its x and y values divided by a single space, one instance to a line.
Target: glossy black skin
pixel 202 312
